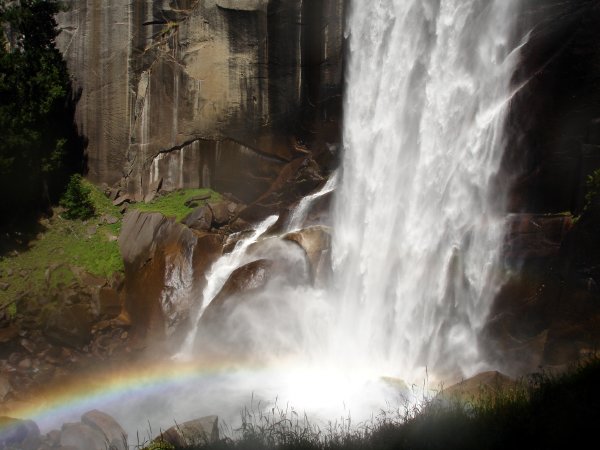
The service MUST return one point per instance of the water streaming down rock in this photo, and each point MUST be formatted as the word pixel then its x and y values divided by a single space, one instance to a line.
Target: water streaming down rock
pixel 298 216
pixel 216 278
pixel 418 228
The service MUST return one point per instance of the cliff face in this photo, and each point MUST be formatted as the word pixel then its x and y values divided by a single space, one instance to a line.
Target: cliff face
pixel 212 93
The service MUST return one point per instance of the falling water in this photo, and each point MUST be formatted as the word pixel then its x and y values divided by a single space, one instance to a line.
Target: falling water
pixel 418 229
pixel 298 216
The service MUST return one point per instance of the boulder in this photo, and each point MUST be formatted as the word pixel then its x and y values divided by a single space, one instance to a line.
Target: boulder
pixel 220 212
pixel 199 219
pixel 195 432
pixel 479 387
pixel 316 242
pixel 164 262
pixel 21 434
pixel 82 437
pixel 112 431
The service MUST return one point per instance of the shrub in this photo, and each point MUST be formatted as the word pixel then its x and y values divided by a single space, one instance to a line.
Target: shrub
pixel 77 200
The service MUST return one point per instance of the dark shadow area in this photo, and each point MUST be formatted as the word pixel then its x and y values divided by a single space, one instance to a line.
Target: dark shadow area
pixel 41 146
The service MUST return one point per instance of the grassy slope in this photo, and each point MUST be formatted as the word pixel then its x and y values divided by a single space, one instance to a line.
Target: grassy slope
pixel 173 204
pixel 62 246
pixel 65 245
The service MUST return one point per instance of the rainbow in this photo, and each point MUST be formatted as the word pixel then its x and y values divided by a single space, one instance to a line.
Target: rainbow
pixel 71 396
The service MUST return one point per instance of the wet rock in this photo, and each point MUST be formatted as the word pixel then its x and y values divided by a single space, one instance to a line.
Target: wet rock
pixel 249 277
pixel 112 431
pixel 200 219
pixel 195 432
pixel 296 179
pixel 156 249
pixel 82 437
pixel 316 242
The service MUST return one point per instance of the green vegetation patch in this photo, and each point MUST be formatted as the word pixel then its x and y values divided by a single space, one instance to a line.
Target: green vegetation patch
pixel 174 203
pixel 64 248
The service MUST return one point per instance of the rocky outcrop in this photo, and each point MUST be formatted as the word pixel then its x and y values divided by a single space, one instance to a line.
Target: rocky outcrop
pixel 548 311
pixel 316 242
pixel 209 93
pixel 165 263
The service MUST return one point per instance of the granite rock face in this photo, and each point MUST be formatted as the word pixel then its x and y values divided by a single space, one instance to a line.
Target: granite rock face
pixel 211 93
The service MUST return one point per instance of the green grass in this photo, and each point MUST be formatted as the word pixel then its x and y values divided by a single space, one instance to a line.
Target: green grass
pixel 173 204
pixel 63 248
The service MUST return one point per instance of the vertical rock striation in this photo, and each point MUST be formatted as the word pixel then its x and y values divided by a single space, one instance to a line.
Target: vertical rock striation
pixel 203 92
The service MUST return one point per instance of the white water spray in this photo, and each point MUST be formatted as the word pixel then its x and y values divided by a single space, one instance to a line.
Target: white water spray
pixel 418 230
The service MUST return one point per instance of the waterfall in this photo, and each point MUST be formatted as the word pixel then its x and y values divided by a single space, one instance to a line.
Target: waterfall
pixel 418 223
pixel 417 226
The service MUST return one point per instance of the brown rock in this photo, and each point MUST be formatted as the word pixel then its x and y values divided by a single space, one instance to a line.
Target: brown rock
pixel 121 200
pixel 200 219
pixel 316 242
pixel 479 387
pixel 195 432
pixel 8 333
pixel 82 437
pixel 5 387
pixel 113 432
pixel 69 325
pixel 220 212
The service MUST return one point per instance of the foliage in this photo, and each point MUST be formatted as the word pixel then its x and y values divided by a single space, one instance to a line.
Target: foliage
pixel 159 445
pixel 39 144
pixel 173 204
pixel 62 248
pixel 76 200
